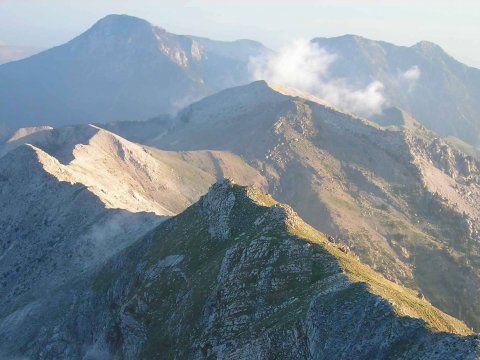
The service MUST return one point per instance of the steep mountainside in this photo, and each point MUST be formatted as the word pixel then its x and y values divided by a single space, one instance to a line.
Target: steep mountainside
pixel 439 91
pixel 400 196
pixel 123 68
pixel 235 276
pixel 73 197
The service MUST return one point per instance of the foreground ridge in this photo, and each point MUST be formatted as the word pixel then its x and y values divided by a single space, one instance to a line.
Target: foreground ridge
pixel 238 275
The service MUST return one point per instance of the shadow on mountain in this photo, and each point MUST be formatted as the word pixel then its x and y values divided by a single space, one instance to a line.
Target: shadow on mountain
pixel 54 231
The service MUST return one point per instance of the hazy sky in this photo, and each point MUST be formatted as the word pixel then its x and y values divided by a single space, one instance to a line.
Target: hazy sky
pixel 455 25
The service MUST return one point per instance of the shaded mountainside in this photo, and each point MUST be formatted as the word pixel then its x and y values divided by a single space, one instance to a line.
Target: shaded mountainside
pixel 439 91
pixel 400 196
pixel 123 68
pixel 70 198
pixel 236 276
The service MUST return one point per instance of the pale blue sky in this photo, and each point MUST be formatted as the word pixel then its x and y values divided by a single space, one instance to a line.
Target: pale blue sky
pixel 455 25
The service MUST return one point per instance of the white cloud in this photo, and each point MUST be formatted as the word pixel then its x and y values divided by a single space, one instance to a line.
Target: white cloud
pixel 412 74
pixel 304 65
pixel 299 65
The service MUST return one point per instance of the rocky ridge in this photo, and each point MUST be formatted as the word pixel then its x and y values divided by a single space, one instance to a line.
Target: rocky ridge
pixel 234 276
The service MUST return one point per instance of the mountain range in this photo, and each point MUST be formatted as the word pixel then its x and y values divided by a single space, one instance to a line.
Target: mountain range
pixel 398 195
pixel 73 197
pixel 10 53
pixel 235 222
pixel 393 193
pixel 124 68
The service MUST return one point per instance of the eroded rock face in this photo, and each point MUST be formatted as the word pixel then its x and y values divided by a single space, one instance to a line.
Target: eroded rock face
pixel 268 286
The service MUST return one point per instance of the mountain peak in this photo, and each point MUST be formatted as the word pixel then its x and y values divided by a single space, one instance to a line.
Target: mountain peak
pixel 353 37
pixel 347 39
pixel 225 188
pixel 120 20
pixel 120 27
pixel 293 92
pixel 428 48
pixel 393 116
pixel 228 206
pixel 263 90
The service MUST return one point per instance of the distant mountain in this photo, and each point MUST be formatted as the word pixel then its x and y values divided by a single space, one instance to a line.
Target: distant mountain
pixel 71 198
pixel 235 276
pixel 123 68
pixel 442 93
pixel 405 200
pixel 11 53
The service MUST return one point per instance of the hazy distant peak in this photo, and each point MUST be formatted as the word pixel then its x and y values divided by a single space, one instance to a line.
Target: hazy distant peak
pixel 353 37
pixel 116 21
pixel 123 28
pixel 347 38
pixel 12 53
pixel 23 132
pixel 427 45
pixel 429 49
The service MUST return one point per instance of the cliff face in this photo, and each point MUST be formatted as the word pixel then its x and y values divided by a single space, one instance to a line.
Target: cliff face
pixel 237 275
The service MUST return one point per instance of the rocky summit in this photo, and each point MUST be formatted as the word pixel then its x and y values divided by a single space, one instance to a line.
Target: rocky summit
pixel 236 276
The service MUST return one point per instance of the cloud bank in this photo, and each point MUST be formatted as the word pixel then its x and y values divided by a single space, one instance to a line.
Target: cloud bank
pixel 304 65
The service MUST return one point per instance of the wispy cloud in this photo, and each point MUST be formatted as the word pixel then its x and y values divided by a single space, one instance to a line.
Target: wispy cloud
pixel 412 74
pixel 304 65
